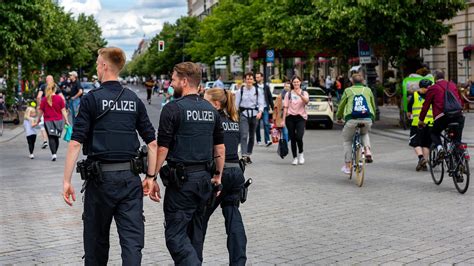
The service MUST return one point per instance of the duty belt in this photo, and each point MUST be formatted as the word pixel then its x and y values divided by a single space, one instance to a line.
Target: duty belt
pixel 115 167
pixel 231 165
pixel 190 168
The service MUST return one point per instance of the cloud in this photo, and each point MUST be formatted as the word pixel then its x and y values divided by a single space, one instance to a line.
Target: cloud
pixel 162 3
pixel 88 7
pixel 125 23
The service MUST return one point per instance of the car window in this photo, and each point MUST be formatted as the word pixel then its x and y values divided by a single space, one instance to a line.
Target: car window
pixel 277 89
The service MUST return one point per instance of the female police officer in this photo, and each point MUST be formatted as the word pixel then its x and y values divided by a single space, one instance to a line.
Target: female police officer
pixel 232 177
pixel 107 123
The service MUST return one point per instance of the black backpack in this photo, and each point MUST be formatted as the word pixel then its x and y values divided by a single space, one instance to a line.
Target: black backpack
pixel 452 106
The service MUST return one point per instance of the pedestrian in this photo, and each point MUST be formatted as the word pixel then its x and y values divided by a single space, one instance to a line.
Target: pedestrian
pixel 294 111
pixel 420 138
pixel 39 97
pixel 107 125
pixel 339 89
pixel 149 87
pixel 54 110
pixel 74 95
pixel 30 132
pixel 268 105
pixel 357 106
pixel 218 83
pixel 95 82
pixel 190 136
pixel 328 84
pixel 249 100
pixel 232 178
pixel 278 118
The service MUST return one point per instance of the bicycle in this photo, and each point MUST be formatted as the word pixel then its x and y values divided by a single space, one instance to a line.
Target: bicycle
pixel 358 157
pixel 455 160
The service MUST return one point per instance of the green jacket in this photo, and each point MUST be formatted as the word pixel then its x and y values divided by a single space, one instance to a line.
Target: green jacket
pixel 345 104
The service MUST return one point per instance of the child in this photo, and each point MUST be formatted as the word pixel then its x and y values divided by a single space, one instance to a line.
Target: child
pixel 29 120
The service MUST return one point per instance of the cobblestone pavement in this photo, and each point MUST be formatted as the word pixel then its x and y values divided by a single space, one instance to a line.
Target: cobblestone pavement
pixel 309 214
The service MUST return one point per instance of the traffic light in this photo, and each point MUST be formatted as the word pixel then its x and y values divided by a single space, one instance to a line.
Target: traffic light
pixel 161 46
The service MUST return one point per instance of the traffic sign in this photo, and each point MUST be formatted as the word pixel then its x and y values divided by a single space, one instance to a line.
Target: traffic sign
pixel 270 55
pixel 365 52
pixel 161 46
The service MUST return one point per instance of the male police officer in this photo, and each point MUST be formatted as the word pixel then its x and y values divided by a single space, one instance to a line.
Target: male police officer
pixel 107 123
pixel 190 136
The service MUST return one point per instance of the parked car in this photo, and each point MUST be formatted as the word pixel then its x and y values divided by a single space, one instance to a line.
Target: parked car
pixel 276 89
pixel 320 108
pixel 86 87
pixel 208 85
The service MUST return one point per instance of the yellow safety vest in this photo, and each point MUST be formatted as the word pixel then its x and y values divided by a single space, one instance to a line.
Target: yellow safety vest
pixel 416 110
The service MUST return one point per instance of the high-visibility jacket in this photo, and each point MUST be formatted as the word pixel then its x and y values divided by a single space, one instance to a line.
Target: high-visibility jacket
pixel 416 110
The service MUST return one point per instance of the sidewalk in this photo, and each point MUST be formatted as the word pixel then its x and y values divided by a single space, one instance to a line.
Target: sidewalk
pixel 10 132
pixel 388 125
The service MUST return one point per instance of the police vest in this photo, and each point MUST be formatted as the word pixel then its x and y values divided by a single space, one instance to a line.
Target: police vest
pixel 114 136
pixel 231 138
pixel 416 110
pixel 193 143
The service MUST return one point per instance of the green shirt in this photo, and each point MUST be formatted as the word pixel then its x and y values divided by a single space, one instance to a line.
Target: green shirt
pixel 345 105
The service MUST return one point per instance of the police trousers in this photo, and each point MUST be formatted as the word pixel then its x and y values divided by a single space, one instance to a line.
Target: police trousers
pixel 118 195
pixel 233 182
pixel 184 212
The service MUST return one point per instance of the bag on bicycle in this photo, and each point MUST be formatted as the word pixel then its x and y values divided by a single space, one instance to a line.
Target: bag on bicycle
pixel 452 106
pixel 360 106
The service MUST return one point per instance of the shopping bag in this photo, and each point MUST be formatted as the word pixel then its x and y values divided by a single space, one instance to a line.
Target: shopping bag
pixel 282 147
pixel 68 133
pixel 275 133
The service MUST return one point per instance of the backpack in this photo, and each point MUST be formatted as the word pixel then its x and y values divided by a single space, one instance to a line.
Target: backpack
pixel 242 94
pixel 451 106
pixel 360 107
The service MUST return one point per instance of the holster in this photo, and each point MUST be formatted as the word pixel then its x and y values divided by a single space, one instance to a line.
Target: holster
pixel 140 162
pixel 245 190
pixel 173 176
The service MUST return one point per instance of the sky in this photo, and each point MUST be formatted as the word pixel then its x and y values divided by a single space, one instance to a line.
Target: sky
pixel 125 22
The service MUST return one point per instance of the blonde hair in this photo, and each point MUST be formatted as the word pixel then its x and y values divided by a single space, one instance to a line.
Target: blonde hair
pixel 50 90
pixel 28 112
pixel 227 101
pixel 113 55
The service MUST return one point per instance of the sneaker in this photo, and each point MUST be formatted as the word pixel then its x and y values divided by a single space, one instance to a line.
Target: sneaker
pixel 425 168
pixel 300 158
pixel 440 152
pixel 247 159
pixel 45 145
pixel 32 156
pixel 54 157
pixel 268 144
pixel 259 143
pixel 421 164
pixel 295 161
pixel 346 170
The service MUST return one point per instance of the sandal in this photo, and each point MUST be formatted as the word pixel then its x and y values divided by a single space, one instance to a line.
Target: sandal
pixel 368 158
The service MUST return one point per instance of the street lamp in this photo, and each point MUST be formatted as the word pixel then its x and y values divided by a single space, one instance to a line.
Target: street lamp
pixel 182 46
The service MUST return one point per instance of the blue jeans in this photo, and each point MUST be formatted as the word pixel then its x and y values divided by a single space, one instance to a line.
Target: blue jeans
pixel 266 126
pixel 285 133
pixel 74 108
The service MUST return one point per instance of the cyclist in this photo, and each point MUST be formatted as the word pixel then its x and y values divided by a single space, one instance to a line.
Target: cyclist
pixel 357 106
pixel 435 97
pixel 420 138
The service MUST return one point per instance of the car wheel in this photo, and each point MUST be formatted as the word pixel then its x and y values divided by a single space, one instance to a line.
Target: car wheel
pixel 329 125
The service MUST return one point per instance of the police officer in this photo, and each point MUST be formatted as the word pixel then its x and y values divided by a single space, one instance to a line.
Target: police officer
pixel 232 177
pixel 108 120
pixel 190 136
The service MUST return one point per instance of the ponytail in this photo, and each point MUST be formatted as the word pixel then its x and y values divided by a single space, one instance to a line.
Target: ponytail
pixel 227 101
pixel 230 108
pixel 50 90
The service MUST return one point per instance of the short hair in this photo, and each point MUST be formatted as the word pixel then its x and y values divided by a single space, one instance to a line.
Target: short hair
pixel 439 74
pixel 114 56
pixel 248 74
pixel 357 78
pixel 189 70
pixel 259 73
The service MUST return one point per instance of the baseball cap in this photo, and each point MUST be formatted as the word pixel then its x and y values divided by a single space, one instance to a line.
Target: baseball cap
pixel 73 73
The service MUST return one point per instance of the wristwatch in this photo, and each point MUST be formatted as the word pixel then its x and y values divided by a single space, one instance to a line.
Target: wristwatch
pixel 217 172
pixel 150 176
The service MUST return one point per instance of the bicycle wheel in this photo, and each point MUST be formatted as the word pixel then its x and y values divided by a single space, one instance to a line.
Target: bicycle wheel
pixel 463 171
pixel 360 167
pixel 436 166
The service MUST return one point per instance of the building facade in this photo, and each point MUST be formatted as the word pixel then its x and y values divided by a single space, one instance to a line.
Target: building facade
pixel 200 8
pixel 449 55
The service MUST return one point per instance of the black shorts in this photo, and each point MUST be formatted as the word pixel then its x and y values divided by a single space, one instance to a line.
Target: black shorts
pixel 420 137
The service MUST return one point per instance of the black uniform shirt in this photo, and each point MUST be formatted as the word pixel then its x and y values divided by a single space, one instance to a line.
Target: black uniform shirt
pixel 169 124
pixel 88 113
